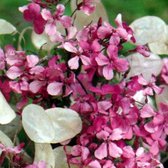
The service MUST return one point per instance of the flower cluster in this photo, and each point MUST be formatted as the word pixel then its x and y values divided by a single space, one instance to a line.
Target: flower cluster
pixel 27 75
pixel 98 98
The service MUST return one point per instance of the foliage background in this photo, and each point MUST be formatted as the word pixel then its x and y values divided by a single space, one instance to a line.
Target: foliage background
pixel 131 9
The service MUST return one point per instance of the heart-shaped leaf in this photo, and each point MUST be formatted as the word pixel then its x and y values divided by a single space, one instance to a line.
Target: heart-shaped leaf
pixel 41 40
pixel 163 97
pixel 5 140
pixel 6 27
pixel 149 29
pixel 44 152
pixel 52 125
pixel 60 157
pixel 6 112
pixel 82 19
pixel 66 122
pixel 37 124
pixel 144 65
pixel 10 128
pixel 158 48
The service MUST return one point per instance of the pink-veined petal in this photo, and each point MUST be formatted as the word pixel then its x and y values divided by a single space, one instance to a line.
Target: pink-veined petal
pixel 36 85
pixel 32 60
pixel 74 62
pixel 50 28
pixel 85 60
pixel 108 72
pixel 102 60
pixel 101 151
pixel 14 72
pixel 114 150
pixel 55 88
pixel 69 47
pixel 46 14
pixel 94 164
pixel 147 111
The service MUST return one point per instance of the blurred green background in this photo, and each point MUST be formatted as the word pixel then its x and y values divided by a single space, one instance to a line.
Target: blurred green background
pixel 130 9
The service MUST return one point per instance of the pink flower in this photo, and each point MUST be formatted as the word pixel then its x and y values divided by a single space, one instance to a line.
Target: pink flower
pixel 114 150
pixel 12 150
pixel 94 164
pixel 143 50
pixel 111 62
pixel 164 72
pixel 32 60
pixel 105 30
pixel 53 20
pixel 101 152
pixel 2 60
pixel 5 88
pixel 13 57
pixel 150 86
pixel 123 30
pixel 14 72
pixel 87 6
pixel 55 88
pixel 32 14
pixel 74 62
pixel 147 111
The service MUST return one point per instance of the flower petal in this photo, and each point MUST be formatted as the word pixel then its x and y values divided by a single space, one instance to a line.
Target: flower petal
pixel 14 72
pixel 82 19
pixel 101 151
pixel 55 88
pixel 32 60
pixel 108 72
pixel 74 62
pixel 114 150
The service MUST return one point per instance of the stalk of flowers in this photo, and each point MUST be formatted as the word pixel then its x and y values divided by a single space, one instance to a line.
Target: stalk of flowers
pixel 88 76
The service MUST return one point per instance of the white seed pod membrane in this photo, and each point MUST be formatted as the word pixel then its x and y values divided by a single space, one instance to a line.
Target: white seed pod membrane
pixel 6 27
pixel 163 97
pixel 158 48
pixel 44 152
pixel 11 128
pixel 66 122
pixel 5 140
pixel 149 29
pixel 41 40
pixel 6 112
pixel 82 19
pixel 51 126
pixel 37 124
pixel 144 65
pixel 60 157
pixel 141 99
